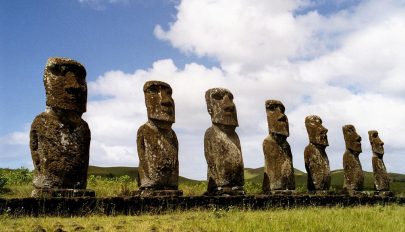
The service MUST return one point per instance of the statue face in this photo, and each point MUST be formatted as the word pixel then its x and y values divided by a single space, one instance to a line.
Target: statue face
pixel 316 131
pixel 352 139
pixel 221 107
pixel 276 119
pixel 65 84
pixel 376 143
pixel 159 101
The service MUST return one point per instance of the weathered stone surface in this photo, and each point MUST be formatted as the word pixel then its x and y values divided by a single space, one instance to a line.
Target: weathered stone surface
pixel 316 159
pixel 381 178
pixel 157 143
pixel 278 166
pixel 59 137
pixel 353 173
pixel 66 193
pixel 222 146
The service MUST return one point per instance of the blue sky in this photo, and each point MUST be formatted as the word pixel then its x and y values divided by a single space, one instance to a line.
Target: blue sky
pixel 338 59
pixel 103 37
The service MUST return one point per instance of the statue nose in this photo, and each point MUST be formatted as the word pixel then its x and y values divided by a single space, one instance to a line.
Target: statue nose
pixel 228 104
pixel 166 99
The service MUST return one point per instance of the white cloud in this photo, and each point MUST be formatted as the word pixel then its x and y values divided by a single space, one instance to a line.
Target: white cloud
pixel 238 33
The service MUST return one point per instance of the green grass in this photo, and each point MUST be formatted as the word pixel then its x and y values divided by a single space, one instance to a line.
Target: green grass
pixel 364 218
pixel 111 172
pixel 116 181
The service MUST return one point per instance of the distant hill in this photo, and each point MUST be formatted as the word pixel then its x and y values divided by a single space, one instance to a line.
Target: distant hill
pixel 111 172
pixel 397 184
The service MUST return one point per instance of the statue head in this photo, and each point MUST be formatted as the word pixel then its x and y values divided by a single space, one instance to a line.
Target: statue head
pixel 317 133
pixel 276 119
pixel 377 144
pixel 159 101
pixel 221 107
pixel 65 84
pixel 352 139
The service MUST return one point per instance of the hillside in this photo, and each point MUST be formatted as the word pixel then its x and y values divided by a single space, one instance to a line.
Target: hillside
pixel 255 175
pixel 111 172
pixel 397 184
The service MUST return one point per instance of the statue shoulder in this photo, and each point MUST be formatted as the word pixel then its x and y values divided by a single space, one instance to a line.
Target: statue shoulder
pixel 209 133
pixel 269 140
pixel 145 128
pixel 41 119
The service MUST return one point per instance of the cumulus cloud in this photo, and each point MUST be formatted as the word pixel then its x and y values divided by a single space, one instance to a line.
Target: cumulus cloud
pixel 14 149
pixel 345 66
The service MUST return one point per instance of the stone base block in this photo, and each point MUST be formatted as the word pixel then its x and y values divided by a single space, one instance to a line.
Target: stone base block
pixel 65 193
pixel 357 193
pixel 226 191
pixel 322 192
pixel 281 192
pixel 157 193
pixel 384 193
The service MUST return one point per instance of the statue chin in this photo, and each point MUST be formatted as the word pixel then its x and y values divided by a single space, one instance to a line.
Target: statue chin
pixel 281 132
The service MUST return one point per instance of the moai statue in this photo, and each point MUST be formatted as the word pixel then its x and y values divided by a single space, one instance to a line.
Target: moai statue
pixel 316 159
pixel 381 178
pixel 222 146
pixel 158 173
pixel 59 137
pixel 353 174
pixel 278 165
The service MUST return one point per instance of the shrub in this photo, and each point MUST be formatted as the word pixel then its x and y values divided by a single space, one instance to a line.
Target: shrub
pixel 125 182
pixel 18 176
pixel 3 181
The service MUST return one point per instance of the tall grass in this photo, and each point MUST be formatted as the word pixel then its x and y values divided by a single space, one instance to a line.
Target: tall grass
pixel 364 218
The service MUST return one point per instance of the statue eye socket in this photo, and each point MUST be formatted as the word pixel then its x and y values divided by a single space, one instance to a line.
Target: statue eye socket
pixel 56 70
pixel 218 96
pixel 62 69
pixel 80 73
pixel 230 96
pixel 271 107
pixel 152 89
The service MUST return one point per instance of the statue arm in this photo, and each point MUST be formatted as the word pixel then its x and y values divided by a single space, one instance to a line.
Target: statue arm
pixel 209 152
pixel 140 145
pixel 34 146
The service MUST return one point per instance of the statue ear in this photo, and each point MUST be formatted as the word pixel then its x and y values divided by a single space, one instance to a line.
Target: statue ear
pixel 209 110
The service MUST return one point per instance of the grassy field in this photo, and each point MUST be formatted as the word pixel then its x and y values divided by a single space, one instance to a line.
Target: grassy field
pixel 120 181
pixel 116 181
pixel 389 218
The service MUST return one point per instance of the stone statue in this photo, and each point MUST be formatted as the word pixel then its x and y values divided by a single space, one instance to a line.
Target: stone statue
pixel 278 165
pixel 381 178
pixel 157 144
pixel 59 137
pixel 316 160
pixel 353 173
pixel 221 145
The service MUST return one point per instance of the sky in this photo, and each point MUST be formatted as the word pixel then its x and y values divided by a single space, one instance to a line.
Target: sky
pixel 343 60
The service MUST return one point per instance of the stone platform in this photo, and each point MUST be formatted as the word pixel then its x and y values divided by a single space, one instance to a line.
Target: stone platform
pixel 63 193
pixel 80 206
